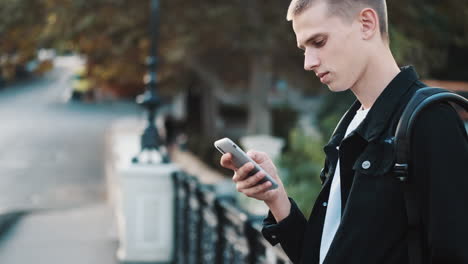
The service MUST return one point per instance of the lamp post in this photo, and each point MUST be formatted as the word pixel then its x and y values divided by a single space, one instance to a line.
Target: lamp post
pixel 151 140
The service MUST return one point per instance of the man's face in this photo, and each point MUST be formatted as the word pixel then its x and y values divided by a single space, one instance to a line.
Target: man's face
pixel 332 47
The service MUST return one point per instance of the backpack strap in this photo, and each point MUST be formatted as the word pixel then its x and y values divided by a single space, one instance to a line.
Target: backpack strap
pixel 420 100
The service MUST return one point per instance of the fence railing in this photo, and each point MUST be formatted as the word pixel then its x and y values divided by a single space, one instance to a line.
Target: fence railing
pixel 211 228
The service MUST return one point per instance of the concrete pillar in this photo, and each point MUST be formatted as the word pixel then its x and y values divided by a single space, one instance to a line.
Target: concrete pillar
pixel 145 213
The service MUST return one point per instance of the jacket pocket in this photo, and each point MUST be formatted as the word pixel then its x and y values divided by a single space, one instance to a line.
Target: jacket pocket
pixel 377 158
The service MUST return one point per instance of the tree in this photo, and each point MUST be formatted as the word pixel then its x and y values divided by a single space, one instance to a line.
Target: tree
pixel 430 35
pixel 21 24
pixel 227 44
pixel 231 45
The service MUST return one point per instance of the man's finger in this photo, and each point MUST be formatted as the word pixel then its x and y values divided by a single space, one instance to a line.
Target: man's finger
pixel 261 188
pixel 244 171
pixel 251 181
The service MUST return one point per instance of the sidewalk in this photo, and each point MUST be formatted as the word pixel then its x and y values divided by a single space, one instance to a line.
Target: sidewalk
pixel 80 235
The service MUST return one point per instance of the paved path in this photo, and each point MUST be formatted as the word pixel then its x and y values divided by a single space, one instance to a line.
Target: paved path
pixel 52 160
pixel 72 236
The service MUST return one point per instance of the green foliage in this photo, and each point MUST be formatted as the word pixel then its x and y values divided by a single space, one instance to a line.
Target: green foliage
pixel 332 109
pixel 283 117
pixel 300 168
pixel 426 34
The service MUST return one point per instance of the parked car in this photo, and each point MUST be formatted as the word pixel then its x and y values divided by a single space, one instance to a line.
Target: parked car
pixel 81 86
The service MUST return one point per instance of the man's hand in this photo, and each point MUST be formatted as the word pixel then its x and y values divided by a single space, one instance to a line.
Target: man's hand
pixel 276 199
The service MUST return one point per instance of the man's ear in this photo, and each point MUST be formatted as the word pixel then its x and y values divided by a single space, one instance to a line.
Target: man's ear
pixel 369 23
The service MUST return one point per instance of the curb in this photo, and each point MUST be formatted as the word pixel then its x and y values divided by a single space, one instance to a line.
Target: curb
pixel 9 218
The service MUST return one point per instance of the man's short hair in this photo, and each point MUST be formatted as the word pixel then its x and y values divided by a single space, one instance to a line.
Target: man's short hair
pixel 345 9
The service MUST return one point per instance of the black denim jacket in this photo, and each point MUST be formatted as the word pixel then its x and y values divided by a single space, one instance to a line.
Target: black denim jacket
pixel 374 223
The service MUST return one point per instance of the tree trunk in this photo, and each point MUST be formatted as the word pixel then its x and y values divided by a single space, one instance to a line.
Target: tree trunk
pixel 261 81
pixel 210 113
pixel 209 101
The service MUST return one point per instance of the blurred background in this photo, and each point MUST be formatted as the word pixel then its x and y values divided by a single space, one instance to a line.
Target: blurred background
pixel 70 69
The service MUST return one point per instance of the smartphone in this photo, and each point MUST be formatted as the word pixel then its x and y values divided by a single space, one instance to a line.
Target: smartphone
pixel 239 158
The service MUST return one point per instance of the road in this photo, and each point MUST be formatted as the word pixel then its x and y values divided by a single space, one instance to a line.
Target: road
pixel 52 159
pixel 52 151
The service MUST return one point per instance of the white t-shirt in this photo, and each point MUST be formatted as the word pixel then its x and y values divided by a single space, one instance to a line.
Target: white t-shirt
pixel 333 215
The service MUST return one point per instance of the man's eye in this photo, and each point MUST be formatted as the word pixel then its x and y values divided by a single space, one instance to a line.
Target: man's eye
pixel 319 43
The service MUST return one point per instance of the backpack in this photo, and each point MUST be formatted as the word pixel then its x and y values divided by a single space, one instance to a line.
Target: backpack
pixel 422 98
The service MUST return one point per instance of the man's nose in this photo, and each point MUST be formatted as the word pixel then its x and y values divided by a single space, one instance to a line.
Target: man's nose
pixel 311 60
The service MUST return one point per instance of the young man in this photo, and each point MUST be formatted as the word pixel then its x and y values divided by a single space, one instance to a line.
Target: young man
pixel 359 215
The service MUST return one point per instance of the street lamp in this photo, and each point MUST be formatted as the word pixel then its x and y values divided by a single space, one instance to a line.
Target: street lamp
pixel 151 140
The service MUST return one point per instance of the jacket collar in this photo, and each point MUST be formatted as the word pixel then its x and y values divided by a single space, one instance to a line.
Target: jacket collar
pixel 380 113
pixel 386 104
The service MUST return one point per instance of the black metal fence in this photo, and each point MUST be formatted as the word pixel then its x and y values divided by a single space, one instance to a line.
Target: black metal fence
pixel 211 228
